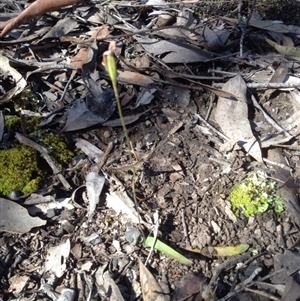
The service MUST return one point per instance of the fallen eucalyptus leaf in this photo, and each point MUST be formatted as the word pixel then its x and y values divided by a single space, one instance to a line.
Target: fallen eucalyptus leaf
pixel 94 186
pixel 92 151
pixel 292 52
pixel 232 117
pixel 7 70
pixel 135 78
pixel 150 288
pixel 121 203
pixel 230 250
pixel 57 258
pixel 107 285
pixel 268 25
pixel 173 51
pixel 61 28
pixel 15 219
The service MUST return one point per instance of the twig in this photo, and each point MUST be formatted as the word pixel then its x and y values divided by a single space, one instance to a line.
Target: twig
pixel 155 234
pixel 45 154
pixel 185 231
pixel 226 264
pixel 265 85
pixel 282 166
pixel 231 294
pixel 103 158
pixel 211 127
pixel 244 26
pixel 262 293
pixel 269 119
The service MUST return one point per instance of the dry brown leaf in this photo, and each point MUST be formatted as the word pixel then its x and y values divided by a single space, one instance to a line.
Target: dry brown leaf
pixel 135 78
pixel 150 288
pixel 232 117
pixel 190 287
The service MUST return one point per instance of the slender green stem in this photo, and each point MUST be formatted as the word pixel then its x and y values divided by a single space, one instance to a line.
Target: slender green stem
pixel 112 71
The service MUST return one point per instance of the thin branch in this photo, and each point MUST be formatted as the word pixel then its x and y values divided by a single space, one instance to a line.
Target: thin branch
pixel 45 154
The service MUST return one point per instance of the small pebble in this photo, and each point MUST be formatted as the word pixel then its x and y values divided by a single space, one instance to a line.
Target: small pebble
pixel 106 134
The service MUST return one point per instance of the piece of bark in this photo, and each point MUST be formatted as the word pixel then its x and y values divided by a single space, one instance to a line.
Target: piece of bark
pixel 38 8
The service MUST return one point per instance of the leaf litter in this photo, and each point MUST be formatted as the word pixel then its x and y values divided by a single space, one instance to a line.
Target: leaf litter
pixel 206 100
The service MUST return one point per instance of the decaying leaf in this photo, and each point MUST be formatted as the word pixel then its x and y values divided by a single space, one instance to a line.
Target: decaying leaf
pixel 94 186
pixel 67 295
pixel 92 151
pixel 150 288
pixel 18 283
pixel 267 25
pixel 292 52
pixel 107 285
pixel 57 257
pixel 144 97
pixel 97 108
pixel 190 287
pixel 174 52
pixel 15 219
pixel 232 117
pixel 62 27
pixel 121 203
pixel 5 71
pixel 288 190
pixel 231 250
pixel 282 39
pixel 134 78
pixel 215 39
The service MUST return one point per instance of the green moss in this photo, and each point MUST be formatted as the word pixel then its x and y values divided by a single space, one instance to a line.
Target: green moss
pixel 32 186
pixel 59 147
pixel 14 123
pixel 32 123
pixel 26 100
pixel 256 195
pixel 19 170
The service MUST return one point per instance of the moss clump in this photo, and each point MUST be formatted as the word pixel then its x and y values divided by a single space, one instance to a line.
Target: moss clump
pixel 14 123
pixel 256 195
pixel 19 170
pixel 26 100
pixel 58 145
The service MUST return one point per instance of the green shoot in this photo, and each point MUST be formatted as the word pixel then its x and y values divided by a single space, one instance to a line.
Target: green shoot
pixel 111 67
pixel 162 247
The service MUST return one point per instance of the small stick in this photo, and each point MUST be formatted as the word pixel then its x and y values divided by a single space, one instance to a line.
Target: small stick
pixel 269 119
pixel 265 85
pixel 103 158
pixel 211 127
pixel 37 8
pixel 45 154
pixel 185 230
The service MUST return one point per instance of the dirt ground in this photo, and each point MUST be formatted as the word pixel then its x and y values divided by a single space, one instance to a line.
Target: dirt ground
pixel 182 175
